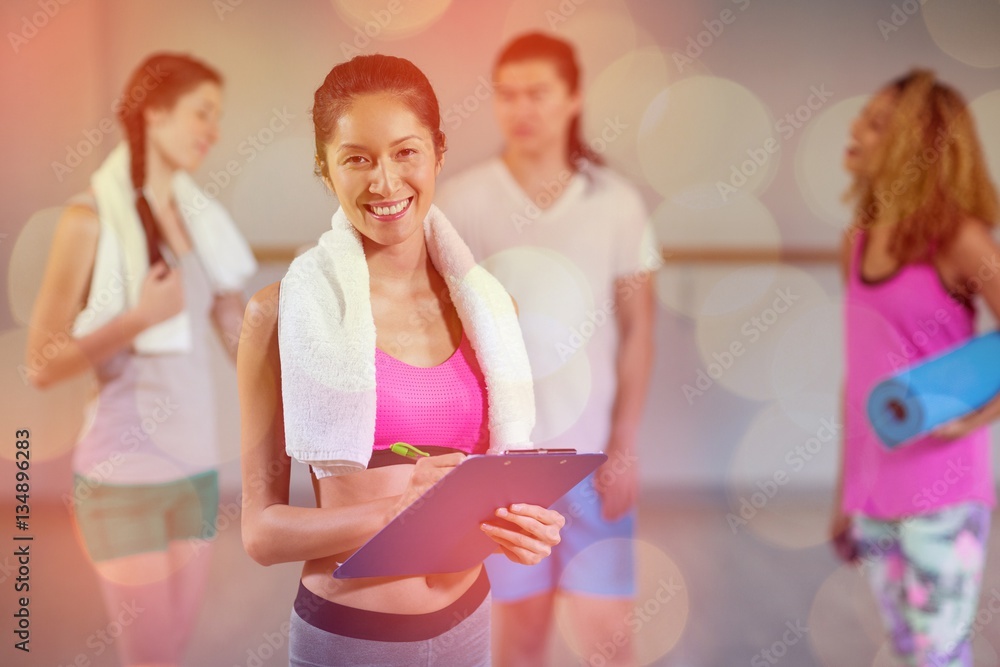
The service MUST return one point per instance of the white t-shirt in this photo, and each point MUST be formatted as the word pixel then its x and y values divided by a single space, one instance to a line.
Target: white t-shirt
pixel 560 264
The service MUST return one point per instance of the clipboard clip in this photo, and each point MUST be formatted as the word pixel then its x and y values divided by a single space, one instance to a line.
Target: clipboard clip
pixel 513 452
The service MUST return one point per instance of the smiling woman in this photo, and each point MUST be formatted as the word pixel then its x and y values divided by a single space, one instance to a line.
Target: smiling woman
pixel 383 181
pixel 321 388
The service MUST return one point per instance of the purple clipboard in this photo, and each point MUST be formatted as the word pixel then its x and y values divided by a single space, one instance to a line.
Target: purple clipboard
pixel 440 531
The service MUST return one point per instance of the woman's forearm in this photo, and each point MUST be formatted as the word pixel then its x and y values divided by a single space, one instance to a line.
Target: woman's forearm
pixel 989 413
pixel 52 357
pixel 283 533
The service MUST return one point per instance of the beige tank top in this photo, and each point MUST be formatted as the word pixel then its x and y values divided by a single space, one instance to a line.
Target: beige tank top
pixel 151 418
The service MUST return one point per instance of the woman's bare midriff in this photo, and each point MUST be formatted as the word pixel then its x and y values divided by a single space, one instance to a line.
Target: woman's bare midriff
pixel 397 595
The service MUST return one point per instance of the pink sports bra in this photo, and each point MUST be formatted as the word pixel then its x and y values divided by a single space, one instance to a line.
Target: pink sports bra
pixel 439 409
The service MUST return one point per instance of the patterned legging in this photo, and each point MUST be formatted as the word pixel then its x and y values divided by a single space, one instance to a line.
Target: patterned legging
pixel 926 572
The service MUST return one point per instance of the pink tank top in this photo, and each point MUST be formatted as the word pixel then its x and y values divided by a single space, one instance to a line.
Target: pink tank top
pixel 441 408
pixel 890 324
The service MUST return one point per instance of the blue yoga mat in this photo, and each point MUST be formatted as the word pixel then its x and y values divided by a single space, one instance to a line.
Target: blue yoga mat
pixel 938 389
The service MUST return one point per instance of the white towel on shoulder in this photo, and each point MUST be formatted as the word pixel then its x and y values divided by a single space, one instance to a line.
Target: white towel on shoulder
pixel 121 263
pixel 326 341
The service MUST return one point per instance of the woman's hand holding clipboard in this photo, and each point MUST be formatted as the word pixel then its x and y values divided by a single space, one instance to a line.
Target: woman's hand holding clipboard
pixel 427 472
pixel 535 532
pixel 524 533
pixel 458 509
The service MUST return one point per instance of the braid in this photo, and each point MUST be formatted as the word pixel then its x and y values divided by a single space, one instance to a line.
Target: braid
pixel 161 79
pixel 136 130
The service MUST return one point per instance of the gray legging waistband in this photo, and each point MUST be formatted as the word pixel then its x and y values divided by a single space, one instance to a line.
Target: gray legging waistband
pixel 455 635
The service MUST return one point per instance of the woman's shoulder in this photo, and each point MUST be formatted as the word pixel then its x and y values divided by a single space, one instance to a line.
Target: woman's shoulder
pixel 972 236
pixel 79 221
pixel 974 231
pixel 261 316
pixel 265 300
pixel 83 198
pixel 972 246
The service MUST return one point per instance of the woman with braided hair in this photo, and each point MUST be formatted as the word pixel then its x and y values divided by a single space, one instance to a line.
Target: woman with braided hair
pixel 142 267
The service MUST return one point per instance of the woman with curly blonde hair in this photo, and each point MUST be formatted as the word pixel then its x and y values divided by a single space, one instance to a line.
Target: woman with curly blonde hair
pixel 917 259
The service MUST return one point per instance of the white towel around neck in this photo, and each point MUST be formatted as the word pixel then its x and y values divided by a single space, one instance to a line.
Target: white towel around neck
pixel 121 263
pixel 326 341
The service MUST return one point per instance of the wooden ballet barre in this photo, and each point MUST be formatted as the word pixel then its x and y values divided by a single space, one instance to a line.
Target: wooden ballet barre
pixel 675 255
pixel 734 255
pixel 274 253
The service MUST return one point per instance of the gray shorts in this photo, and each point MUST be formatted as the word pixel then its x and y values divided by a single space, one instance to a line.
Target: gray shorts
pixel 325 634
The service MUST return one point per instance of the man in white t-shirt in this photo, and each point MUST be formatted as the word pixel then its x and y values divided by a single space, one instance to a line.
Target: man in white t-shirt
pixel 569 240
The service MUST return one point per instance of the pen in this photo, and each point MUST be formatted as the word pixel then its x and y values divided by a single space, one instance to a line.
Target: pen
pixel 406 449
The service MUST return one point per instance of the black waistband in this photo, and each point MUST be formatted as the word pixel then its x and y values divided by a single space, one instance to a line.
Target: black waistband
pixel 386 627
